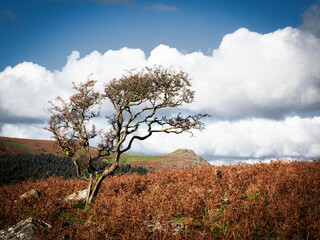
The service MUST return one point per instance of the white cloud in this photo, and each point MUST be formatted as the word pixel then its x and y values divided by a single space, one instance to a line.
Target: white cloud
pixel 255 138
pixel 104 67
pixel 250 76
pixel 28 131
pixel 27 87
pixel 25 91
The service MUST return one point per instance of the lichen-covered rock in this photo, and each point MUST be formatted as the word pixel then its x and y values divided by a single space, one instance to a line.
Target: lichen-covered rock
pixel 24 230
pixel 176 227
pixel 79 196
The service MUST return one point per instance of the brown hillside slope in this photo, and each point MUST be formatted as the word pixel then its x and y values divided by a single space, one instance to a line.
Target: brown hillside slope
pixel 32 146
pixel 181 158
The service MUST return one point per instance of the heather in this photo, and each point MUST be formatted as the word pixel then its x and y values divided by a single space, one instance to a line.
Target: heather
pixel 279 200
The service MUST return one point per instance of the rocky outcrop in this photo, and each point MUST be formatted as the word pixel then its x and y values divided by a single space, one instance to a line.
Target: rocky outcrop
pixel 24 230
pixel 201 162
pixel 188 154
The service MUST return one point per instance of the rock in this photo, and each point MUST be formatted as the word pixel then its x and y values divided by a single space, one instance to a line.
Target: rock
pixel 80 195
pixel 196 189
pixel 199 190
pixel 222 199
pixel 32 193
pixel 24 230
pixel 177 227
pixel 201 162
pixel 155 227
pixel 218 173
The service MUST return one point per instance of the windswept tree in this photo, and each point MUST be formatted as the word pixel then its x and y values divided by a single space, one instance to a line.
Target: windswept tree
pixel 136 98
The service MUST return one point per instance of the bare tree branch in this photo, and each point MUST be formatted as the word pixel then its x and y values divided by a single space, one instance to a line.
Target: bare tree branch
pixel 136 98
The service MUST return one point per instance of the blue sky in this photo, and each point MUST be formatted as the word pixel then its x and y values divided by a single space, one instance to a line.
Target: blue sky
pixel 255 67
pixel 46 31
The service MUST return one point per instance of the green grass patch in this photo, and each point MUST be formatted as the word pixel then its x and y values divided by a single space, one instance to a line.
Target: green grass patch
pixel 69 217
pixel 20 146
pixel 179 219
pixel 128 158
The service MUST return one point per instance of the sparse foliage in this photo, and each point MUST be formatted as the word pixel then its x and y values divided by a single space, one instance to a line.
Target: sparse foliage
pixel 137 98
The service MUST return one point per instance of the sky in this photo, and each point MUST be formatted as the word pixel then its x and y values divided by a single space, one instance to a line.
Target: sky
pixel 255 67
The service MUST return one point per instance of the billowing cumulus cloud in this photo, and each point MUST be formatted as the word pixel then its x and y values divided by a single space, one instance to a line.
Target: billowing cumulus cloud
pixel 253 138
pixel 25 90
pixel 261 77
pixel 253 75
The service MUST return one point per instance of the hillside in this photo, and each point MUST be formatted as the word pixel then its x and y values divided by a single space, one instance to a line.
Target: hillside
pixel 263 201
pixel 179 159
pixel 33 146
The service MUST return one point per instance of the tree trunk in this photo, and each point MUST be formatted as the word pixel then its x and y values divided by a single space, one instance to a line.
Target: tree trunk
pixel 77 167
pixel 89 189
pixel 94 188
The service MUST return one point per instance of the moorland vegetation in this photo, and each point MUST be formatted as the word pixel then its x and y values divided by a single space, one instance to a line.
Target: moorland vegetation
pixel 280 200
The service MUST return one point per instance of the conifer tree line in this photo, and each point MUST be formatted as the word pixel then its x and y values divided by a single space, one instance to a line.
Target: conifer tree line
pixel 22 167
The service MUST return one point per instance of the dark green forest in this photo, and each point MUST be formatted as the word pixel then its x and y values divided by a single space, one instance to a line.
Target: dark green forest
pixel 21 167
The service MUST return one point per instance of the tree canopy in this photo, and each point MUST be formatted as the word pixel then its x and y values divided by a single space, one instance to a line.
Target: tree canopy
pixel 136 98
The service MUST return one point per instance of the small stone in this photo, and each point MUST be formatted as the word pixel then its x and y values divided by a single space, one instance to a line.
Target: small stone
pixel 177 227
pixel 223 199
pixel 196 189
pixel 237 173
pixel 155 227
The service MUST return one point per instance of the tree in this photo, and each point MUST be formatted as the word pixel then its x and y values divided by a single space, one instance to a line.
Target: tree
pixel 136 98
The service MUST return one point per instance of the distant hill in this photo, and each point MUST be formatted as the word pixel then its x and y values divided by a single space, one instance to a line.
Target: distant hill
pixel 188 154
pixel 32 146
pixel 180 158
